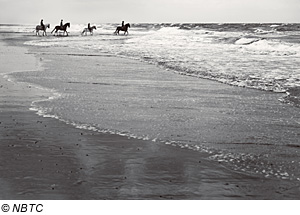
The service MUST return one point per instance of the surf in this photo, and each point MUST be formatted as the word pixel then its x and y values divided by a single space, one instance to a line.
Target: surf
pixel 229 53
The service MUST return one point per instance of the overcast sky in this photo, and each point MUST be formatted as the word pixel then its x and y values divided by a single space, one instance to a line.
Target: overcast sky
pixel 135 11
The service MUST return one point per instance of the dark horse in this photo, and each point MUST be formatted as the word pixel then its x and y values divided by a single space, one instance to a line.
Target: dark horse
pixel 61 28
pixel 124 28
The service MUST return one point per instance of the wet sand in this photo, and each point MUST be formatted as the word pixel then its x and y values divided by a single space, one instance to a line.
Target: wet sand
pixel 43 158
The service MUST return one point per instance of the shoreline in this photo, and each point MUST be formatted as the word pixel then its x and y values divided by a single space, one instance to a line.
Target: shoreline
pixel 43 158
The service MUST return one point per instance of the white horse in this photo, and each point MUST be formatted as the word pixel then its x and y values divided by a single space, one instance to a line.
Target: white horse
pixel 88 30
pixel 40 28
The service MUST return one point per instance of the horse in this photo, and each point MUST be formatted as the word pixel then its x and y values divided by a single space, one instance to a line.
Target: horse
pixel 61 28
pixel 124 28
pixel 89 30
pixel 41 28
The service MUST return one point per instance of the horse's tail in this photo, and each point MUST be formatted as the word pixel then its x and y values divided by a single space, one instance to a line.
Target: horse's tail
pixel 117 30
pixel 53 30
pixel 36 28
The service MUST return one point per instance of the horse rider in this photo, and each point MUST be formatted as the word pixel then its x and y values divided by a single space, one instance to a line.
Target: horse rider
pixel 122 24
pixel 89 27
pixel 61 23
pixel 42 24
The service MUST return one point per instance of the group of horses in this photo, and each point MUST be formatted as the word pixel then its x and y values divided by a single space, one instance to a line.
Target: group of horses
pixel 63 28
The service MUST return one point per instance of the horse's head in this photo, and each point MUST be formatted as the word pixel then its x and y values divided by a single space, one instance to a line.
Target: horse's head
pixel 128 25
pixel 94 27
pixel 47 25
pixel 67 24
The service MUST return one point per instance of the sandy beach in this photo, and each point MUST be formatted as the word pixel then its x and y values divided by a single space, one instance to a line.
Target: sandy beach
pixel 45 158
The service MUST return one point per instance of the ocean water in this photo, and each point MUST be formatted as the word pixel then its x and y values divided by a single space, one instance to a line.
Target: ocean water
pixel 260 56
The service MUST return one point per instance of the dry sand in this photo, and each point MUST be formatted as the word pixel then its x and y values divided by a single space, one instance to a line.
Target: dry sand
pixel 43 158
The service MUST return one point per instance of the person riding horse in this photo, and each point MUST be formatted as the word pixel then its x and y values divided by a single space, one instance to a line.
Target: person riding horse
pixel 122 28
pixel 61 28
pixel 61 23
pixel 89 29
pixel 41 27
